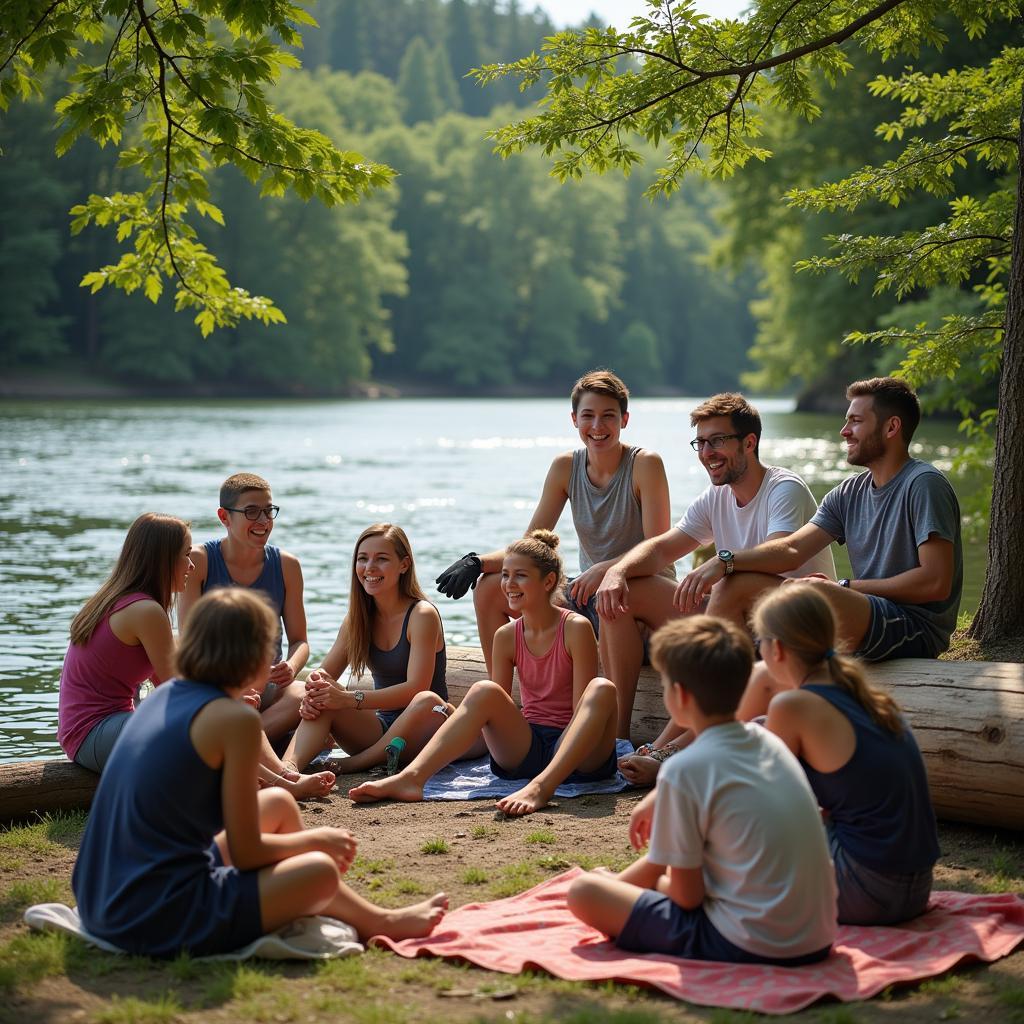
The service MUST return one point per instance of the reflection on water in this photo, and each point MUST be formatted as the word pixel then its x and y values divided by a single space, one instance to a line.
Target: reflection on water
pixel 457 474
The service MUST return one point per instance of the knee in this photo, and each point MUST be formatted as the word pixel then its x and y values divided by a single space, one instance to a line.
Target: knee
pixel 601 692
pixel 424 702
pixel 487 592
pixel 581 893
pixel 483 692
pixel 322 877
pixel 279 805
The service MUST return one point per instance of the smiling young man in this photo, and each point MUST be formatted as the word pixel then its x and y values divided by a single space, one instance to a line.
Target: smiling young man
pixel 618 495
pixel 900 521
pixel 745 503
pixel 244 558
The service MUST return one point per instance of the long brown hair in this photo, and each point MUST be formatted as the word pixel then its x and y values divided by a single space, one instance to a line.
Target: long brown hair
pixel 541 547
pixel 802 621
pixel 146 564
pixel 358 624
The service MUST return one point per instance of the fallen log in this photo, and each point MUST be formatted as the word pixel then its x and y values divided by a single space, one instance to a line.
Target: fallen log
pixel 968 718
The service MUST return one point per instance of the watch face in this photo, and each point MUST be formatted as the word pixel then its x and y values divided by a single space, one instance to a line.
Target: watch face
pixel 725 555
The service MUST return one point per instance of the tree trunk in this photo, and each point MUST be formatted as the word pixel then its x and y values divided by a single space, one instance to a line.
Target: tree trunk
pixel 999 621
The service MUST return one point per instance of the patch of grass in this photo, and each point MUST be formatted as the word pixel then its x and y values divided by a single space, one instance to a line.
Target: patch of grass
pixel 943 986
pixel 837 1015
pixel 350 974
pixel 364 867
pixel 435 846
pixel 1011 998
pixel 131 1010
pixel 543 836
pixel 27 958
pixel 278 1005
pixel 408 887
pixel 474 876
pixel 515 878
pixel 721 1016
pixel 483 831
pixel 1005 871
pixel 33 890
pixel 385 1013
pixel 52 834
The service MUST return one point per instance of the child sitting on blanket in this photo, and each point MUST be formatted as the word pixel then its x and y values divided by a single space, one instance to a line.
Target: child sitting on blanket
pixel 860 757
pixel 566 728
pixel 738 868
pixel 181 853
pixel 395 632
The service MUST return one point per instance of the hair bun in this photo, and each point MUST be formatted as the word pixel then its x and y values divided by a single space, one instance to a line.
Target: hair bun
pixel 548 537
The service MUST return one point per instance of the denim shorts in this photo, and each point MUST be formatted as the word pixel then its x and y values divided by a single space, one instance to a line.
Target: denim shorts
pixel 99 742
pixel 658 925
pixel 542 750
pixel 867 896
pixel 588 610
pixel 895 633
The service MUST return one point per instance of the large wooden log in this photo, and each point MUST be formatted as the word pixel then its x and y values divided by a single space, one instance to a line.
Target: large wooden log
pixel 968 718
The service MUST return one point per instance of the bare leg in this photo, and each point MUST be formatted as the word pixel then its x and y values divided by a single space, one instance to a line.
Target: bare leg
pixel 650 601
pixel 354 731
pixel 283 714
pixel 733 597
pixel 603 901
pixel 416 724
pixel 492 612
pixel 586 743
pixel 851 609
pixel 487 708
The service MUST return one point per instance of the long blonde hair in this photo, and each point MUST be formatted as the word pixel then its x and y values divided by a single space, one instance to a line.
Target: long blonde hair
pixel 540 546
pixel 146 565
pixel 358 624
pixel 802 621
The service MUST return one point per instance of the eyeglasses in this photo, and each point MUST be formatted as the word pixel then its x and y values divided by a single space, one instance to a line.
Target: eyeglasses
pixel 714 443
pixel 254 512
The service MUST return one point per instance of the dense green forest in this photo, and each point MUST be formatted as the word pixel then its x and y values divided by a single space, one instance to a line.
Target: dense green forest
pixel 470 273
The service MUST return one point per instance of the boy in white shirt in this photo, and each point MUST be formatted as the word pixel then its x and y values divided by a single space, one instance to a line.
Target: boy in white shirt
pixel 738 867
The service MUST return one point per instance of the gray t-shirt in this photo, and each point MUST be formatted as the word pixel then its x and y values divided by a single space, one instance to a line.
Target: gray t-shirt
pixel 736 804
pixel 883 527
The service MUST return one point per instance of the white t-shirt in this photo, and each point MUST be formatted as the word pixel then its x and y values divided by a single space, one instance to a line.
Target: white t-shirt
pixel 737 804
pixel 783 504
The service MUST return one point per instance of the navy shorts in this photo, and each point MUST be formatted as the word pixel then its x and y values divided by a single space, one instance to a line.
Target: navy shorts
pixel 542 750
pixel 588 610
pixel 658 925
pixel 867 896
pixel 895 633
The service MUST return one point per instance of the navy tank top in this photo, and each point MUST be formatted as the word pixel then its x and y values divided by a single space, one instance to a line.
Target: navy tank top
pixel 391 667
pixel 270 581
pixel 147 878
pixel 878 801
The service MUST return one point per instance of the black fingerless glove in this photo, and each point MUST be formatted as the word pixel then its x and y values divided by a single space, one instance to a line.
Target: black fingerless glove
pixel 460 575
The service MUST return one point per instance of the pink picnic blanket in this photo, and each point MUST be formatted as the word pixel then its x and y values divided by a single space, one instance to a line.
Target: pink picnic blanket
pixel 536 929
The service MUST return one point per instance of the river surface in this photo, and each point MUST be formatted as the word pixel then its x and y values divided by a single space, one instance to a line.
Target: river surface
pixel 457 474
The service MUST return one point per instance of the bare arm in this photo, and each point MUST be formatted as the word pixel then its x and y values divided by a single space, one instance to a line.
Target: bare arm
pixel 193 585
pixel 503 656
pixel 683 886
pixel 294 615
pixel 930 581
pixel 146 622
pixel 646 559
pixel 581 645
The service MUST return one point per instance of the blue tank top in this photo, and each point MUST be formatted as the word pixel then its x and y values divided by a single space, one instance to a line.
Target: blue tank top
pixel 270 581
pixel 146 878
pixel 391 667
pixel 878 801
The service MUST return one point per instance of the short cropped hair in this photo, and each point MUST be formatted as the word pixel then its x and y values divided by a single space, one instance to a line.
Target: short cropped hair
pixel 891 397
pixel 708 657
pixel 601 382
pixel 238 484
pixel 228 638
pixel 744 417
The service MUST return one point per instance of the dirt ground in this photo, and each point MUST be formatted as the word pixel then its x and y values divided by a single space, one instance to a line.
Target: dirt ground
pixel 474 854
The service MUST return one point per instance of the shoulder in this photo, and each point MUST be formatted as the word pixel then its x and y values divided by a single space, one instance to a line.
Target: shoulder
pixel 289 564
pixel 561 464
pixel 225 715
pixel 925 476
pixel 851 485
pixel 198 556
pixel 424 616
pixel 779 478
pixel 648 466
pixel 505 638
pixel 142 612
pixel 578 628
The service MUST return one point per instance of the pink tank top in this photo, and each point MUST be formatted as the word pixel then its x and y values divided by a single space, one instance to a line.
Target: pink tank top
pixel 545 683
pixel 99 678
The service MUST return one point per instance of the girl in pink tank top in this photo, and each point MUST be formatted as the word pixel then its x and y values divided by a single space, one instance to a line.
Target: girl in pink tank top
pixel 566 725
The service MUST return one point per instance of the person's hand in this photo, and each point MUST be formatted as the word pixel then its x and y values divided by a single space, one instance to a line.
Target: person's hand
pixel 696 585
pixel 318 677
pixel 252 698
pixel 460 576
pixel 583 588
pixel 612 595
pixel 337 843
pixel 640 822
pixel 281 674
pixel 329 697
pixel 639 769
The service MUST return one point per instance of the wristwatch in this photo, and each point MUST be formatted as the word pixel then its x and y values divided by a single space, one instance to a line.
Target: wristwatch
pixel 844 583
pixel 727 561
pixel 359 696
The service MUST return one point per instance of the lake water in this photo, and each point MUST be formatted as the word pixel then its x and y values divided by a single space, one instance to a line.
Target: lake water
pixel 457 474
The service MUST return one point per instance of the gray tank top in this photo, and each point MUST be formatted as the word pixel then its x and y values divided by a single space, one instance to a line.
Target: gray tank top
pixel 608 520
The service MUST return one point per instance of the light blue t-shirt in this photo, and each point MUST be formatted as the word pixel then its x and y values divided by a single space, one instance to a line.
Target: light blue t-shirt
pixel 882 528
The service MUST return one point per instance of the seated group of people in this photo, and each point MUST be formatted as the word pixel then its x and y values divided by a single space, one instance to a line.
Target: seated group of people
pixel 229 863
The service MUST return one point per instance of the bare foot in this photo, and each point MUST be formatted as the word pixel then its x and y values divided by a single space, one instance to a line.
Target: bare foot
pixel 415 921
pixel 525 801
pixel 319 784
pixel 394 788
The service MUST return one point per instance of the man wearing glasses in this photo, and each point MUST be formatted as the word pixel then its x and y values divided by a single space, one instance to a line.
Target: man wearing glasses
pixel 745 504
pixel 244 558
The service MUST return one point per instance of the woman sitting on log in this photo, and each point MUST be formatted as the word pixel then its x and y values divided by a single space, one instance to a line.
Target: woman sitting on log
pixel 860 757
